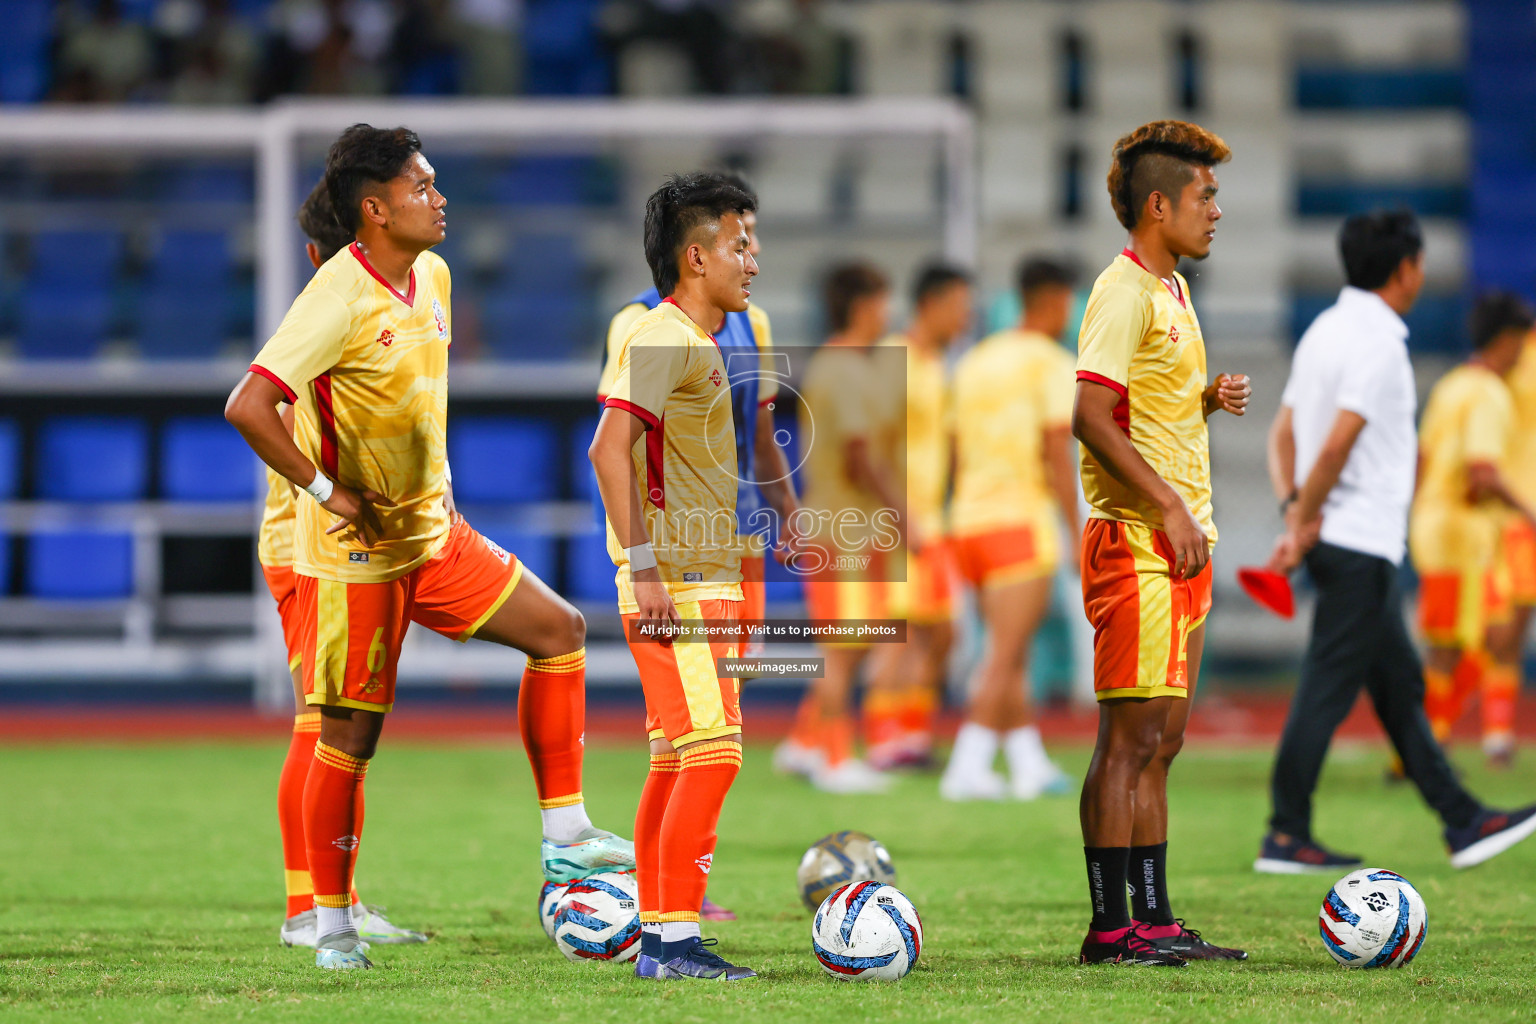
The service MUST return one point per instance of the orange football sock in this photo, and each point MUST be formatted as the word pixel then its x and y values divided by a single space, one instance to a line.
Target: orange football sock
pixel 1439 696
pixel 837 739
pixel 882 715
pixel 552 716
pixel 1501 690
pixel 290 811
pixel 654 797
pixel 687 848
pixel 333 822
pixel 917 710
pixel 807 728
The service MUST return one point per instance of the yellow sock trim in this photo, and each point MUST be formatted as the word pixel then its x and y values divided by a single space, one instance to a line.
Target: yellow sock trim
pixel 560 801
pixel 298 883
pixel 333 758
pixel 649 917
pixel 307 722
pixel 334 902
pixel 678 915
pixel 666 763
pixel 561 663
pixel 713 753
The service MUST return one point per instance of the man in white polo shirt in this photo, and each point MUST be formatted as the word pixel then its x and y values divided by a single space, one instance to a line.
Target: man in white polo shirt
pixel 1342 459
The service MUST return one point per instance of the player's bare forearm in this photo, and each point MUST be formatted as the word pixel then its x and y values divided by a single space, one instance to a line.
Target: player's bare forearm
pixel 252 409
pixel 1486 482
pixel 617 485
pixel 1061 473
pixel 1281 452
pixel 777 483
pixel 1093 423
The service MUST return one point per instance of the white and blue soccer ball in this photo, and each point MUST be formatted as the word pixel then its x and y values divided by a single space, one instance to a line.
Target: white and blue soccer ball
pixel 598 918
pixel 1373 918
pixel 549 902
pixel 867 931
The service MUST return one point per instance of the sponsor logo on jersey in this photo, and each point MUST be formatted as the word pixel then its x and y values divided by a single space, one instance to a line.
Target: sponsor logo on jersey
pixel 693 577
pixel 1173 333
pixel 357 556
pixel 386 337
pixel 705 862
pixel 715 378
pixel 348 843
pixel 441 318
pixel 497 550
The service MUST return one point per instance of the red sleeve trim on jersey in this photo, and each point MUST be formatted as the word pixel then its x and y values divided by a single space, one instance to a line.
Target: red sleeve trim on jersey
pixel 409 298
pixel 1099 378
pixel 602 399
pixel 650 419
pixel 288 395
pixel 767 401
pixel 330 460
pixel 655 479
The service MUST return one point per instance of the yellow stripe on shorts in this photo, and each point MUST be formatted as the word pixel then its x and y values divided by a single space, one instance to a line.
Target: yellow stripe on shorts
pixel 1155 591
pixel 330 637
pixel 696 669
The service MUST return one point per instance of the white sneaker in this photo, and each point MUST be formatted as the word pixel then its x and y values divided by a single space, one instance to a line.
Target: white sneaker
pixel 790 758
pixel 960 787
pixel 1045 780
pixel 851 777
pixel 299 930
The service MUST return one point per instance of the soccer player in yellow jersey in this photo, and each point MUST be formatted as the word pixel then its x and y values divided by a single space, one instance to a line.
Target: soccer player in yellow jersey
pixel 274 550
pixel 1519 534
pixel 1459 514
pixel 1142 402
pixel 363 353
pixel 898 726
pixel 1015 466
pixel 851 397
pixel 665 459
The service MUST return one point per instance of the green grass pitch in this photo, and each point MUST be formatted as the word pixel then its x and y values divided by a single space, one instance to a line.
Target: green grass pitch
pixel 142 883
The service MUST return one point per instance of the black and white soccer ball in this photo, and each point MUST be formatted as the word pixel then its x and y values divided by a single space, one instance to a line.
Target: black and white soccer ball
pixel 840 858
pixel 1373 918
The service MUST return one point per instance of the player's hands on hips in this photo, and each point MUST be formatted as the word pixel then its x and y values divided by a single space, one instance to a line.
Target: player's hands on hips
pixel 356 509
pixel 1230 393
pixel 1191 547
pixel 449 506
pixel 655 604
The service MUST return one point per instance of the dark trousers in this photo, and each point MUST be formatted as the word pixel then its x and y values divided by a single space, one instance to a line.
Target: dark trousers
pixel 1359 639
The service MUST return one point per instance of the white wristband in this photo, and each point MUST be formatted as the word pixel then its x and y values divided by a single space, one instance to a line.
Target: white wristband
pixel 320 487
pixel 640 557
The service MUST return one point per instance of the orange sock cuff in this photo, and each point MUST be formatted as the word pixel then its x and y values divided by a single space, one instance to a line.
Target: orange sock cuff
pixel 666 762
pixel 570 800
pixel 561 664
pixel 335 902
pixel 713 754
pixel 307 722
pixel 333 758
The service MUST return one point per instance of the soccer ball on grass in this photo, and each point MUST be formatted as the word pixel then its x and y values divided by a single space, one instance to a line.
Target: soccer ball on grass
pixel 1373 918
pixel 867 931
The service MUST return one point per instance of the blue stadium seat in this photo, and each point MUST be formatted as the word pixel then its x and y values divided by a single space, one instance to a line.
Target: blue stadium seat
pixel 78 257
pixel 583 480
pixel 545 263
pixel 5 565
pixel 588 569
pixel 547 181
pixel 538 326
pixel 10 464
pixel 202 458
pixel 63 321
pixel 1332 88
pixel 536 551
pixel 93 459
pixel 213 183
pixel 503 459
pixel 79 564
pixel 192 258
pixel 24 53
pixel 1342 198
pixel 562 53
pixel 177 324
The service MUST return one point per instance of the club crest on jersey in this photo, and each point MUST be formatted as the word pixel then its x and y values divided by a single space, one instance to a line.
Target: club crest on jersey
pixel 1173 333
pixel 441 318
pixel 386 337
pixel 497 550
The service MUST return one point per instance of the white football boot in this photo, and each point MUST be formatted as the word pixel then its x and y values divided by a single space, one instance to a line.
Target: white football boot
pixel 849 778
pixel 790 758
pixel 964 786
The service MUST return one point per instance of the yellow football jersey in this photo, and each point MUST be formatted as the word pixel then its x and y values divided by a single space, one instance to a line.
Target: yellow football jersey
pixel 1145 343
pixel 367 368
pixel 1009 389
pixel 1469 418
pixel 274 541
pixel 669 373
pixel 849 393
pixel 624 319
pixel 1522 451
pixel 923 440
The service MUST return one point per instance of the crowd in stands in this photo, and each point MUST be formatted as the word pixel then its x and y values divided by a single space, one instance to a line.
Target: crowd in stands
pixel 244 51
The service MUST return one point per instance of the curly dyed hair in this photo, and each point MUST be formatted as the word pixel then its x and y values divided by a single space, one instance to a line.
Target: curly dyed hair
pixel 1159 157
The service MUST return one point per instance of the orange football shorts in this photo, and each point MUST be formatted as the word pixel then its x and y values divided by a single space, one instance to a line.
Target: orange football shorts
pixel 843 591
pixel 283 583
pixel 754 593
pixel 928 597
pixel 1141 615
pixel 1456 608
pixel 350 633
pixel 686 699
pixel 1520 556
pixel 997 558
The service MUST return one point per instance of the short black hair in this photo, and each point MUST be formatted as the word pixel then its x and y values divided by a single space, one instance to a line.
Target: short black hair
pixel 1373 245
pixel 1495 313
pixel 1036 272
pixel 847 284
pixel 317 219
pixel 682 203
pixel 363 157
pixel 935 277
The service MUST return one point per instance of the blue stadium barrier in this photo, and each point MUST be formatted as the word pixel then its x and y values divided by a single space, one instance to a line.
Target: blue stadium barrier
pixel 213 183
pixel 1340 199
pixel 79 564
pixel 24 49
pixel 5 565
pixel 202 458
pixel 93 459
pixel 503 459
pixel 10 464
pixel 1331 88
pixel 583 479
pixel 588 569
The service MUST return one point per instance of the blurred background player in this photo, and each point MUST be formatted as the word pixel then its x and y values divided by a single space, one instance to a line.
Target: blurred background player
pixel 849 394
pixel 274 550
pixel 762 470
pixel 1519 542
pixel 1342 459
pixel 898 717
pixel 674 541
pixel 1141 408
pixel 368 562
pixel 1015 472
pixel 1463 503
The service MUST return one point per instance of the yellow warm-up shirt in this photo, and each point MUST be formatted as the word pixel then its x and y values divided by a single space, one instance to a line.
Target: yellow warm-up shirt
pixel 367 369
pixel 925 438
pixel 1009 389
pixel 274 541
pixel 1469 419
pixel 845 395
pixel 1145 343
pixel 624 319
pixel 670 374
pixel 1522 449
